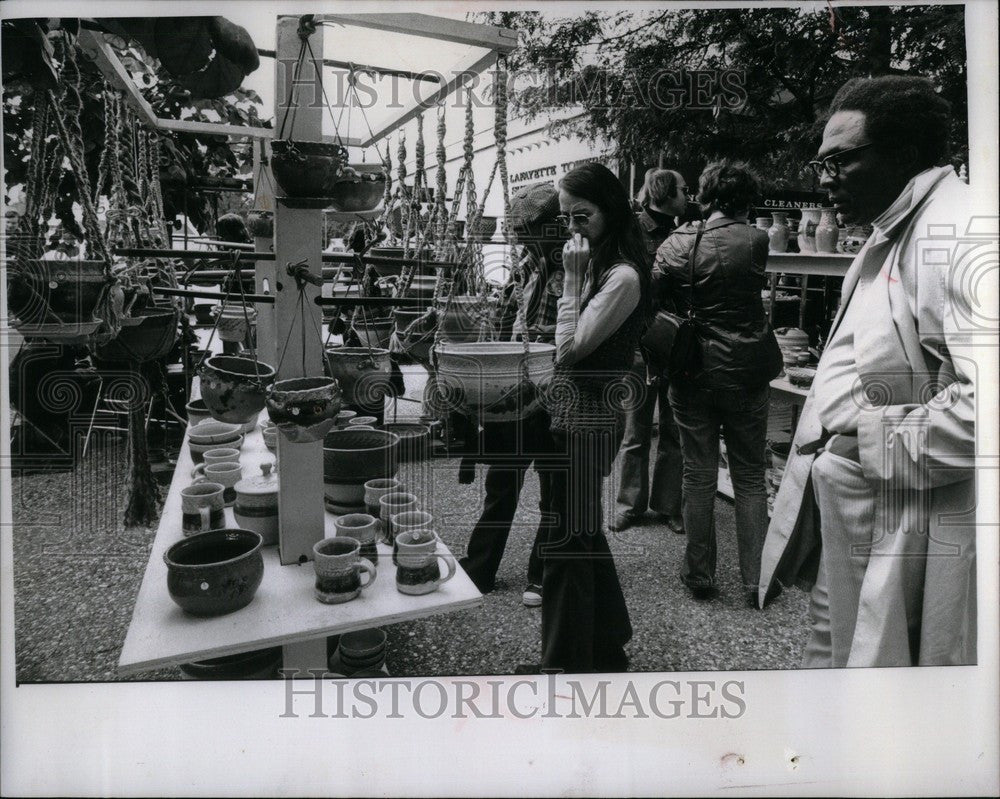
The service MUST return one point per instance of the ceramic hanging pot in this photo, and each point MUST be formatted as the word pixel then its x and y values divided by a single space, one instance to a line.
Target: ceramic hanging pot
pixel 461 318
pixel 304 408
pixel 151 338
pixel 56 299
pixel 307 169
pixel 485 378
pixel 360 188
pixel 374 332
pixel 363 374
pixel 233 387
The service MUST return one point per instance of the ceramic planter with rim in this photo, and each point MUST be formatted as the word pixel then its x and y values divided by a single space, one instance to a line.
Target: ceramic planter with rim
pixel 151 337
pixel 214 573
pixel 363 374
pixel 462 317
pixel 304 408
pixel 485 378
pixel 56 299
pixel 374 332
pixel 350 459
pixel 307 169
pixel 233 321
pixel 234 388
pixel 360 188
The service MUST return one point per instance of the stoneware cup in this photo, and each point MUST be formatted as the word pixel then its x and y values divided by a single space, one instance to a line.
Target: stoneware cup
pixel 202 508
pixel 378 488
pixel 363 527
pixel 405 521
pixel 338 566
pixel 222 455
pixel 418 571
pixel 391 504
pixel 225 474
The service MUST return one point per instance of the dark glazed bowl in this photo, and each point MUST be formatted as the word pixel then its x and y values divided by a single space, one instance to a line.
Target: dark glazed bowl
pixel 214 573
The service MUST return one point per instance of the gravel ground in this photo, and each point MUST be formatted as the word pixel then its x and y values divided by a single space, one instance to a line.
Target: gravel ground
pixel 77 573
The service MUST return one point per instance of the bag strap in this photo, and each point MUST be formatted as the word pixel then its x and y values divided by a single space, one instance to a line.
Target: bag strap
pixel 697 241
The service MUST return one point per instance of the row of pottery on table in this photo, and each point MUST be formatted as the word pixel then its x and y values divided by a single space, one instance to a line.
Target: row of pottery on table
pixel 817 231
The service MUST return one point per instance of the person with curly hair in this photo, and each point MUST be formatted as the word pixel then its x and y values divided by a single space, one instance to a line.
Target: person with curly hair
pixel 728 390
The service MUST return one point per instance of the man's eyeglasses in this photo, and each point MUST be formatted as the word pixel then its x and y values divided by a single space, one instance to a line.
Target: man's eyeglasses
pixel 578 219
pixel 830 165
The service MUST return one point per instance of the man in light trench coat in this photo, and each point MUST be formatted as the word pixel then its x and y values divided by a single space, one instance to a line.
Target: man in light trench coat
pixel 876 510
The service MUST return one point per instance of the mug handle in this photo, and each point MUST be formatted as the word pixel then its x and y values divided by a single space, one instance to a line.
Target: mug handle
pixel 450 563
pixel 365 565
pixel 206 518
pixel 198 473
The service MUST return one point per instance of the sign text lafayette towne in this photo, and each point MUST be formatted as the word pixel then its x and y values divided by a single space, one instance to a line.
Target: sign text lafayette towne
pixel 554 169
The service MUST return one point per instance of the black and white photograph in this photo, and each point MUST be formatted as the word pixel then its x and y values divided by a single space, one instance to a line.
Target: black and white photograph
pixel 601 396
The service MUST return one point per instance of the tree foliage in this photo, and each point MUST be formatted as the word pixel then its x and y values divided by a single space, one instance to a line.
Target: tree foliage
pixel 665 82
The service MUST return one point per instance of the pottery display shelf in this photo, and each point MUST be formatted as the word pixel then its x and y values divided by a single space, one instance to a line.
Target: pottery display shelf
pixel 284 611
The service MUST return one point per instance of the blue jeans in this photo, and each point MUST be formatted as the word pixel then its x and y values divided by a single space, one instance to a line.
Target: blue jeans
pixel 742 417
pixel 634 492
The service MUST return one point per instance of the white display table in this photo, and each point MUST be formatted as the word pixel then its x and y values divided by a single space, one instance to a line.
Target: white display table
pixel 283 612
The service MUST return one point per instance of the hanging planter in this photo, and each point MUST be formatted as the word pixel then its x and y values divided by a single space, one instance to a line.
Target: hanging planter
pixel 233 321
pixel 374 333
pixel 363 374
pixel 261 223
pixel 487 378
pixel 234 388
pixel 304 408
pixel 359 189
pixel 56 299
pixel 462 317
pixel 307 169
pixel 147 336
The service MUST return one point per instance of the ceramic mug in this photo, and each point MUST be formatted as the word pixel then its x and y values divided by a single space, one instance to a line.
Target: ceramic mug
pixel 378 488
pixel 418 571
pixel 225 474
pixel 405 521
pixel 391 504
pixel 222 455
pixel 202 508
pixel 359 421
pixel 362 527
pixel 338 566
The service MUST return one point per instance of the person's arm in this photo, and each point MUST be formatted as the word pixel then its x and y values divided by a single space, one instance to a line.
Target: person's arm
pixel 579 334
pixel 670 255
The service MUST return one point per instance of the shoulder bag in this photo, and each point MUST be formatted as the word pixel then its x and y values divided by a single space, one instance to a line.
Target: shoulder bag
pixel 671 340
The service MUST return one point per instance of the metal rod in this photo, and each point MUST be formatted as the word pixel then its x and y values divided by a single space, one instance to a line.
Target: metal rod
pixel 399 73
pixel 268 299
pixel 327 258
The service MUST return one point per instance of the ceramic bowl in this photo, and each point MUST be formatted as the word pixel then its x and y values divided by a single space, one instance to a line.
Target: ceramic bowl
pixel 801 376
pixel 198 450
pixel 362 644
pixel 214 573
pixel 210 431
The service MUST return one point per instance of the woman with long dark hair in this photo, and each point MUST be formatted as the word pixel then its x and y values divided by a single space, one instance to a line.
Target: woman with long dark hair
pixel 601 315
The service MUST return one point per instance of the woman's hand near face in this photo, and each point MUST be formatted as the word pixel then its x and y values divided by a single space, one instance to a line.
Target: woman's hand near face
pixel 576 255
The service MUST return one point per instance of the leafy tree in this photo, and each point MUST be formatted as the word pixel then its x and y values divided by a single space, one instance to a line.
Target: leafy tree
pixel 754 83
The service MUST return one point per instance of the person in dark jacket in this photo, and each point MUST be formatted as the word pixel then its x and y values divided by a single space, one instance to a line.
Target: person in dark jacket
pixel 663 197
pixel 729 390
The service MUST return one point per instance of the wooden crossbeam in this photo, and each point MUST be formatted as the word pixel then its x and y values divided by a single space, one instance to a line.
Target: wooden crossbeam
pixel 501 40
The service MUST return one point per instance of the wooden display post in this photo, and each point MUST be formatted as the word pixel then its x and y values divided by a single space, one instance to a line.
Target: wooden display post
pixel 298 238
pixel 264 271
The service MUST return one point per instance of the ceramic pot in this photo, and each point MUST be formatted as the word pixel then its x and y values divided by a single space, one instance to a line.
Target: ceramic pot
pixel 807 230
pixel 214 573
pixel 415 338
pixel 414 440
pixel 338 564
pixel 777 233
pixel 827 232
pixel 350 459
pixel 233 322
pixel 343 419
pixel 779 453
pixel 196 412
pixel 304 408
pixel 261 664
pixel 485 378
pixel 198 451
pixel 222 455
pixel 151 337
pixel 363 375
pixel 418 571
pixel 374 333
pixel 233 387
pixel 461 318
pixel 360 188
pixel 307 168
pixel 56 296
pixel 209 431
pixel 261 223
pixel 791 341
pixel 256 504
pixel 763 223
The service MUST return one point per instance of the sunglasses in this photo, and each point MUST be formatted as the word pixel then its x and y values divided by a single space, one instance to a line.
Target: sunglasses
pixel 831 164
pixel 578 219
